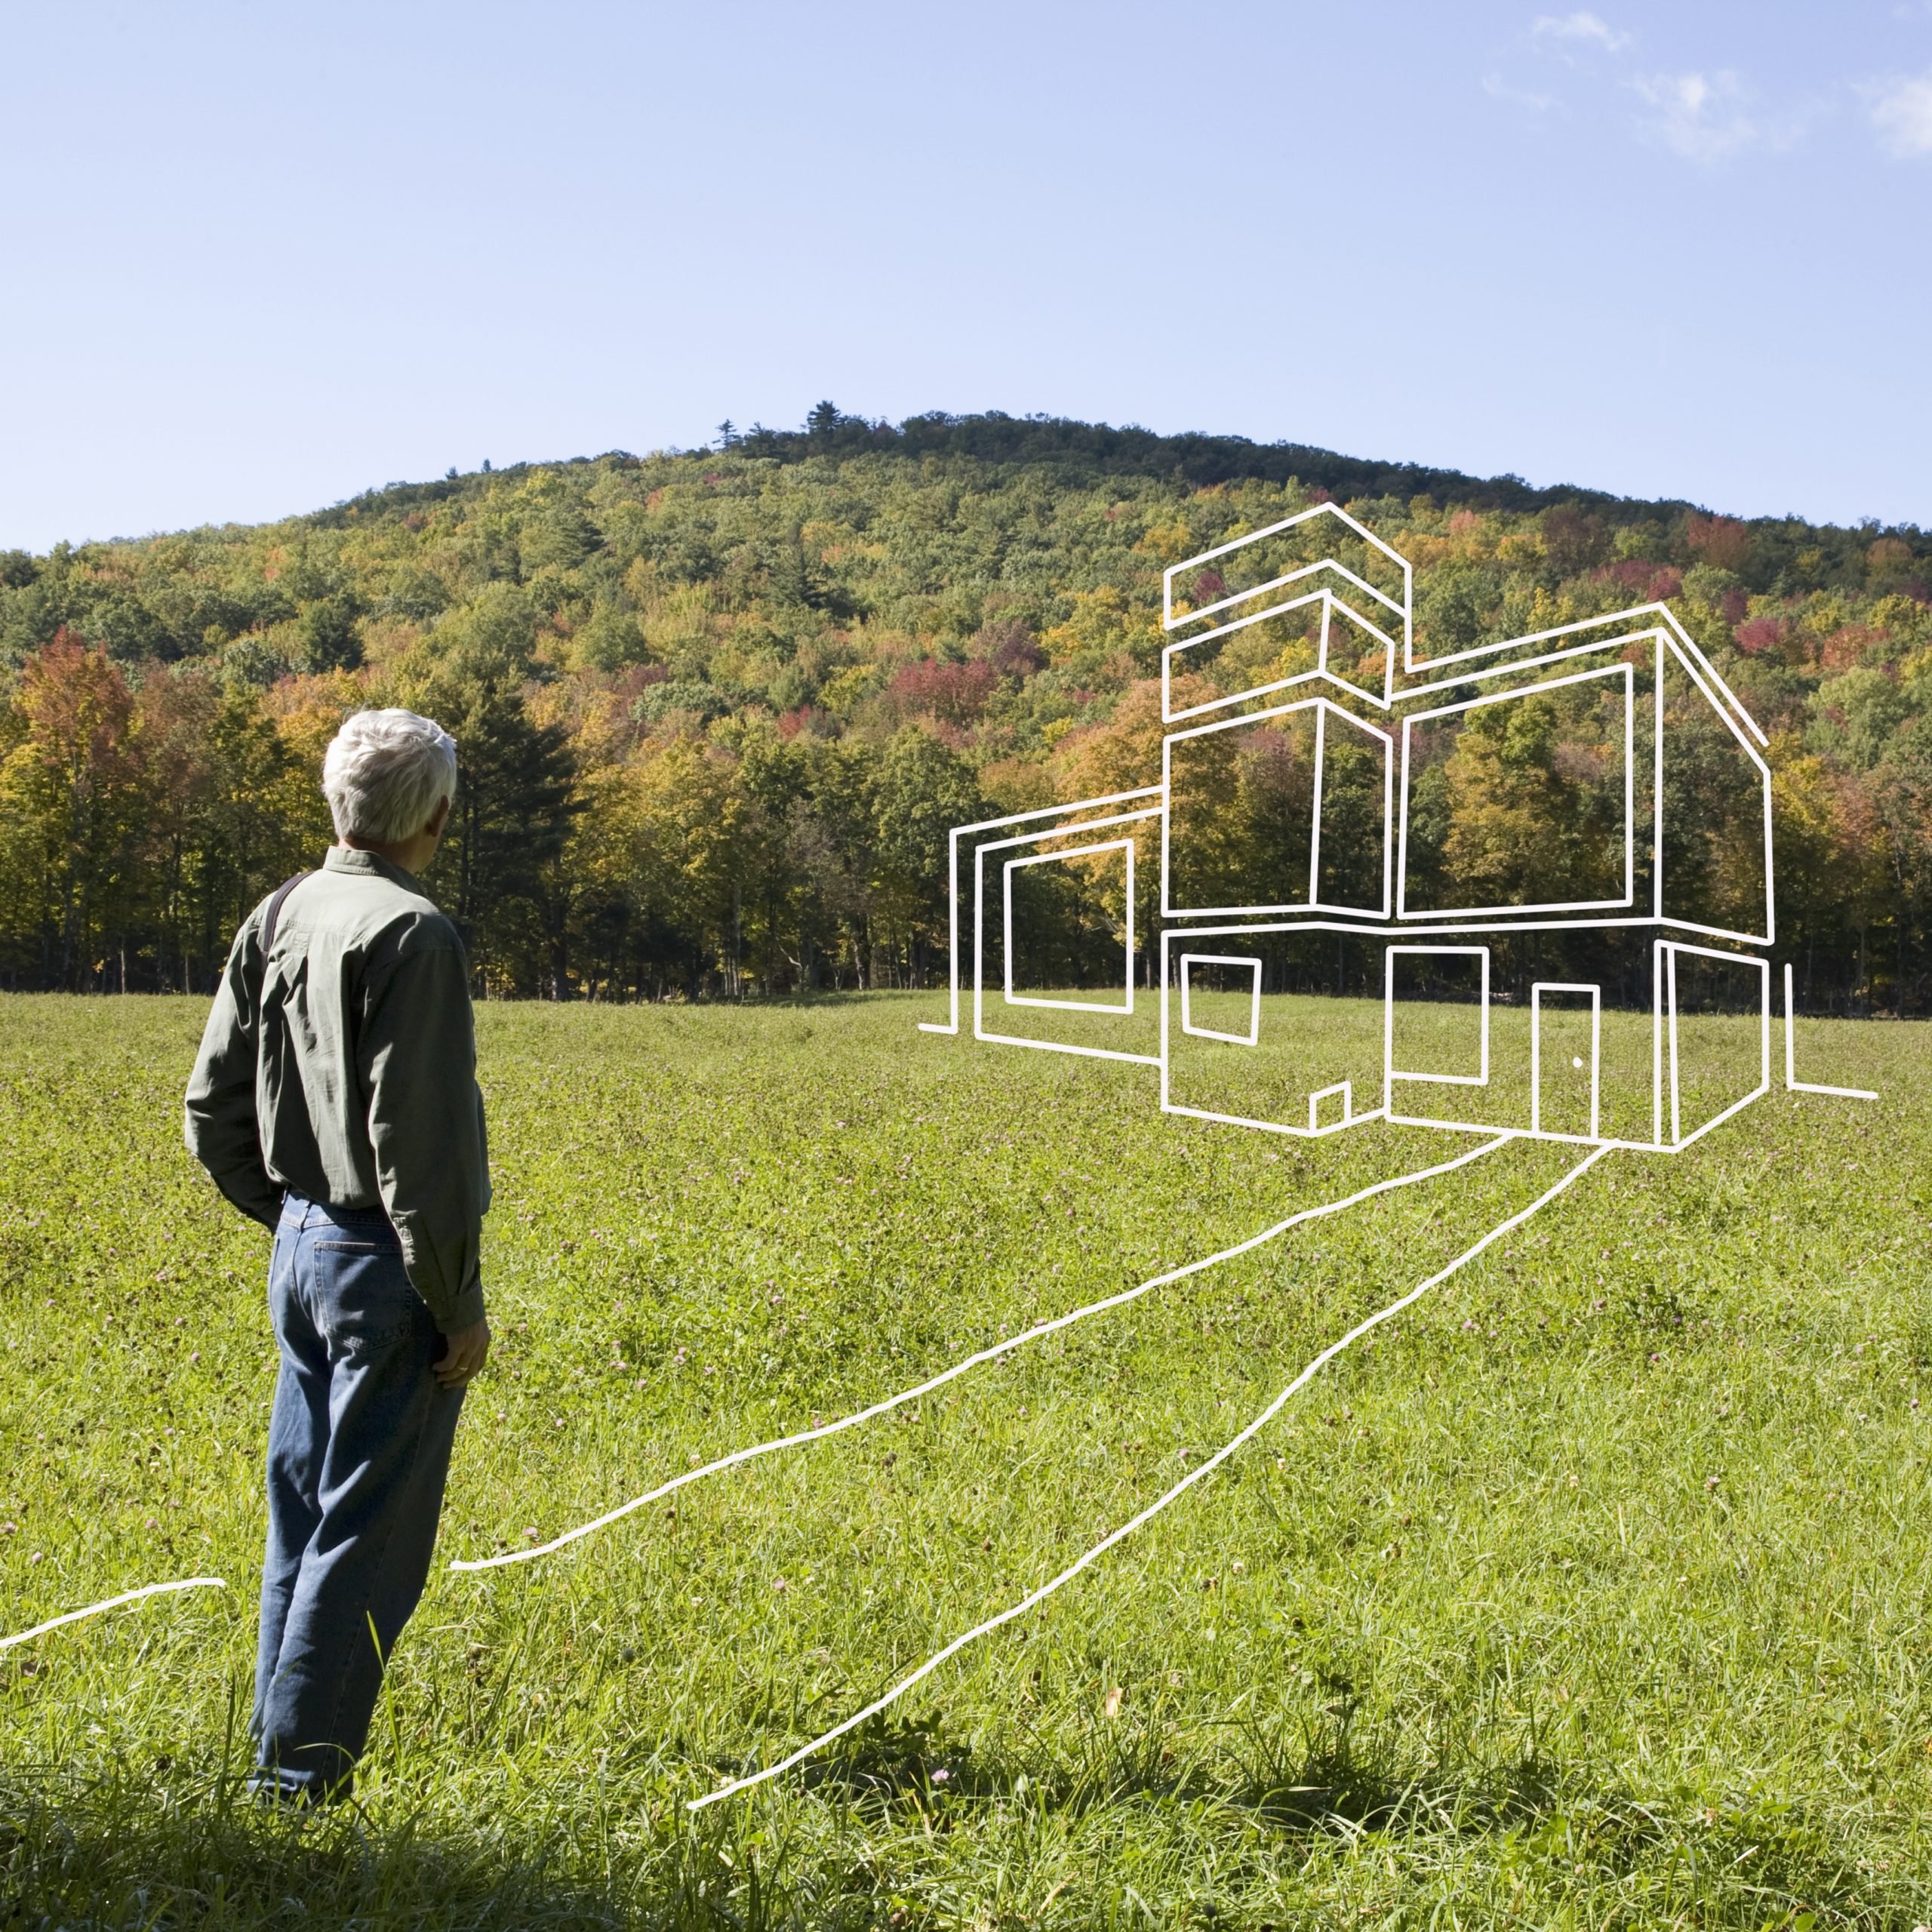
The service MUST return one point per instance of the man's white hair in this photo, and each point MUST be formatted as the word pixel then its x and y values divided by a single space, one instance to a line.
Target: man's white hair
pixel 385 772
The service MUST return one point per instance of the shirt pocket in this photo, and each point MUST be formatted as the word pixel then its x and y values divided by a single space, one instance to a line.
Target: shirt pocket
pixel 363 1301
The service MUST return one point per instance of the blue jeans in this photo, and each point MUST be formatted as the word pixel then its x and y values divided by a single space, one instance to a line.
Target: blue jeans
pixel 359 1444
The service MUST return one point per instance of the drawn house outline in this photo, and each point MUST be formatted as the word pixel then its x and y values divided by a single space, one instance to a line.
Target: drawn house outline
pixel 1389 694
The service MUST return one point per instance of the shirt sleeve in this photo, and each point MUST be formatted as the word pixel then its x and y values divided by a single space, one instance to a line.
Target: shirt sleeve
pixel 219 1113
pixel 417 1056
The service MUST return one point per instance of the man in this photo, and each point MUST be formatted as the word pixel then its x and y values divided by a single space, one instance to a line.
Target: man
pixel 335 1100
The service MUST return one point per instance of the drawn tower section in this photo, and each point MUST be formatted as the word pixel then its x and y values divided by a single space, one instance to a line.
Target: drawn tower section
pixel 1315 601
pixel 1280 772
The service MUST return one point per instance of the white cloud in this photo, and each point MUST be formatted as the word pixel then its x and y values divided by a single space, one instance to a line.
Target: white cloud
pixel 1581 26
pixel 1701 117
pixel 1708 115
pixel 1497 88
pixel 1902 113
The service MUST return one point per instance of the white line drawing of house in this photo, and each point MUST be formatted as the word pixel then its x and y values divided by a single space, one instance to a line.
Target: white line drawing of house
pixel 1329 690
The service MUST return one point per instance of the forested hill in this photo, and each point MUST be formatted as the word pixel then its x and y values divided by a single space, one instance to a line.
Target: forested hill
pixel 716 709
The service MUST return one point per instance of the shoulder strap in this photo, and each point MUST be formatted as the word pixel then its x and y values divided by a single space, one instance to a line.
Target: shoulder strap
pixel 281 892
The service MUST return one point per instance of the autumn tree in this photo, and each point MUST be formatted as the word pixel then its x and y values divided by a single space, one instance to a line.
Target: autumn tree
pixel 71 810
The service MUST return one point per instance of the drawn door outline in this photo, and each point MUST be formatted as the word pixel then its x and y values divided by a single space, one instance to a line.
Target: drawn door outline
pixel 1596 995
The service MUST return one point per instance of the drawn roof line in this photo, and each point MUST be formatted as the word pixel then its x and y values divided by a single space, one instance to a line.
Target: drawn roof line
pixel 1718 691
pixel 1325 594
pixel 1321 674
pixel 1657 608
pixel 1300 572
pixel 1411 665
pixel 1169 621
pixel 1329 604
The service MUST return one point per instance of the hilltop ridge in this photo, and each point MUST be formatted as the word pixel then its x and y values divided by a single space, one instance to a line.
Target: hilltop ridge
pixel 718 706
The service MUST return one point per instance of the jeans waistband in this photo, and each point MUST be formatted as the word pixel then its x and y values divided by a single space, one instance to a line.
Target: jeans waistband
pixel 299 1212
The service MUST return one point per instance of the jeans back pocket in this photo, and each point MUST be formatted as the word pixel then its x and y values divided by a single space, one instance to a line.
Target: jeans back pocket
pixel 363 1297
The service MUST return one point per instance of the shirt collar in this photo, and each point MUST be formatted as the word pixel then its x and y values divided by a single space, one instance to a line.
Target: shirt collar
pixel 346 859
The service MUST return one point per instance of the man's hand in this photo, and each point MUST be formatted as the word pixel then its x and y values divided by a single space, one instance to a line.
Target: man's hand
pixel 463 1354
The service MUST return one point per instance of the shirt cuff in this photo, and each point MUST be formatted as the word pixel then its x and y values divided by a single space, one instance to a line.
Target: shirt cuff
pixel 465 1311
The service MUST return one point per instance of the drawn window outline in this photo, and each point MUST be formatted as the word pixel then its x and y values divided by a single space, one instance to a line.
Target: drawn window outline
pixel 1007 948
pixel 1663 1026
pixel 1321 707
pixel 1390 1072
pixel 1253 1036
pixel 1622 669
pixel 980 851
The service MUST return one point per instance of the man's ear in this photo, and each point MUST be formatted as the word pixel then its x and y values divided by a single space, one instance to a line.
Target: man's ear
pixel 438 818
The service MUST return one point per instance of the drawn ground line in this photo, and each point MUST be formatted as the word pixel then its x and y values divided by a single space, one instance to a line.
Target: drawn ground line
pixel 974 1361
pixel 126 1596
pixel 1154 1508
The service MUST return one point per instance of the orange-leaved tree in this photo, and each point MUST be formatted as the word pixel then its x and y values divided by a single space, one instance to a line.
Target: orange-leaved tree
pixel 70 811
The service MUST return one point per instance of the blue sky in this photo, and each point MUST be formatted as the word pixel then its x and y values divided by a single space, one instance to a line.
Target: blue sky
pixel 259 256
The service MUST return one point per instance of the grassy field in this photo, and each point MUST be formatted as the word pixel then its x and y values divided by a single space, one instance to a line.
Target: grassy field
pixel 1591 1592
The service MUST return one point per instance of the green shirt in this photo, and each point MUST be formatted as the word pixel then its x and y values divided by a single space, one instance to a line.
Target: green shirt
pixel 343 1068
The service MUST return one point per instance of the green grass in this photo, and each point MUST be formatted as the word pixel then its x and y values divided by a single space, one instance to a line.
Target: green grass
pixel 1591 1592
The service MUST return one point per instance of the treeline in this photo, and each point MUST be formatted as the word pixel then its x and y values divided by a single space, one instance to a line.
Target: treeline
pixel 716 709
